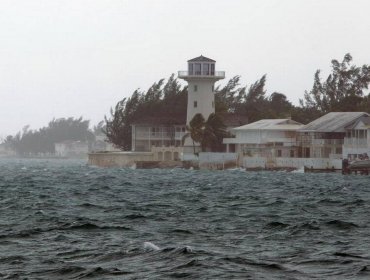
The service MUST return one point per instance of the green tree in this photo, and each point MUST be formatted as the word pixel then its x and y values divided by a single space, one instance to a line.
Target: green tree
pixel 209 134
pixel 256 103
pixel 213 134
pixel 163 101
pixel 195 130
pixel 229 97
pixel 343 90
pixel 37 142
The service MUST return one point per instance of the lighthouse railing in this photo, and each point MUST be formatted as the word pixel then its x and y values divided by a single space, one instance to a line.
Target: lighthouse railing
pixel 185 74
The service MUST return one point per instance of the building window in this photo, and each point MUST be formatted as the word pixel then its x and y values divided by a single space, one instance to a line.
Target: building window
pixel 197 69
pixel 205 69
pixel 213 104
pixel 195 104
pixel 213 88
pixel 291 153
pixel 190 68
pixel 279 153
pixel 195 87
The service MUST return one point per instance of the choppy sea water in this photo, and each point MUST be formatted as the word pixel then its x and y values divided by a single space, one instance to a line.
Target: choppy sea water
pixel 66 220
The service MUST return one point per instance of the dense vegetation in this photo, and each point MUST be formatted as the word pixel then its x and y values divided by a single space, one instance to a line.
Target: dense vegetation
pixel 209 133
pixel 165 102
pixel 345 89
pixel 41 142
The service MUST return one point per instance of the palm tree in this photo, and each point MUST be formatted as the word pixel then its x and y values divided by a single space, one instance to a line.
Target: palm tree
pixel 195 130
pixel 213 133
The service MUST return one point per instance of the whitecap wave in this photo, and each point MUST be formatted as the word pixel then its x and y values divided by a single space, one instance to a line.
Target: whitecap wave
pixel 149 246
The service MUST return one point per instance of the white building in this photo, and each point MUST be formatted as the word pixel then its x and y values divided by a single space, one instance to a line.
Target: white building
pixel 357 139
pixel 325 136
pixel 157 139
pixel 267 138
pixel 201 77
pixel 153 132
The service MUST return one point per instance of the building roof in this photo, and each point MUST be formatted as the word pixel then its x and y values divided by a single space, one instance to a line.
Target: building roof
pixel 201 58
pixel 333 122
pixel 364 121
pixel 271 124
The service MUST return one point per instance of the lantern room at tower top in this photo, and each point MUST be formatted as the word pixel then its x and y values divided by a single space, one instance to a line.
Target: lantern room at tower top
pixel 201 66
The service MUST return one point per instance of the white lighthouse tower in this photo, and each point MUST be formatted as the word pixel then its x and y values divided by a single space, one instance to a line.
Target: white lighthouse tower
pixel 201 77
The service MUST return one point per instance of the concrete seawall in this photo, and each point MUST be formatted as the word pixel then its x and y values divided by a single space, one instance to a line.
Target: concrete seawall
pixel 118 159
pixel 130 159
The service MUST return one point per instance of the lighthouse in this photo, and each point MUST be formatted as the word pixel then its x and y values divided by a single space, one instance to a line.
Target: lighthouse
pixel 201 77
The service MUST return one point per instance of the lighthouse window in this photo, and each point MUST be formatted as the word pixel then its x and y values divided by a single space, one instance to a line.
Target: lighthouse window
pixel 205 69
pixel 195 104
pixel 197 69
pixel 195 88
pixel 190 69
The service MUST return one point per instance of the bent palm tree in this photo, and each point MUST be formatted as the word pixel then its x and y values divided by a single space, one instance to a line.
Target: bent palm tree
pixel 195 130
pixel 214 132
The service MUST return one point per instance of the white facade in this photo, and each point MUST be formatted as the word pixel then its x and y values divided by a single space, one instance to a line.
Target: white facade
pixel 325 137
pixel 268 138
pixel 357 140
pixel 201 77
pixel 321 144
pixel 201 98
pixel 297 163
pixel 145 137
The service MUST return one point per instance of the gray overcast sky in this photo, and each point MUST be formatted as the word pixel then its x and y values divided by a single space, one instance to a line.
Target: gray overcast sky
pixel 79 57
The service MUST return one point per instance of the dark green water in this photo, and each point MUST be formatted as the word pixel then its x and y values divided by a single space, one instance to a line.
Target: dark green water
pixel 66 220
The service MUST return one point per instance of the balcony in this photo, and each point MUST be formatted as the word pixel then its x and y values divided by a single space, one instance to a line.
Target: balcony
pixel 285 142
pixel 357 142
pixel 202 74
pixel 159 135
pixel 327 142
